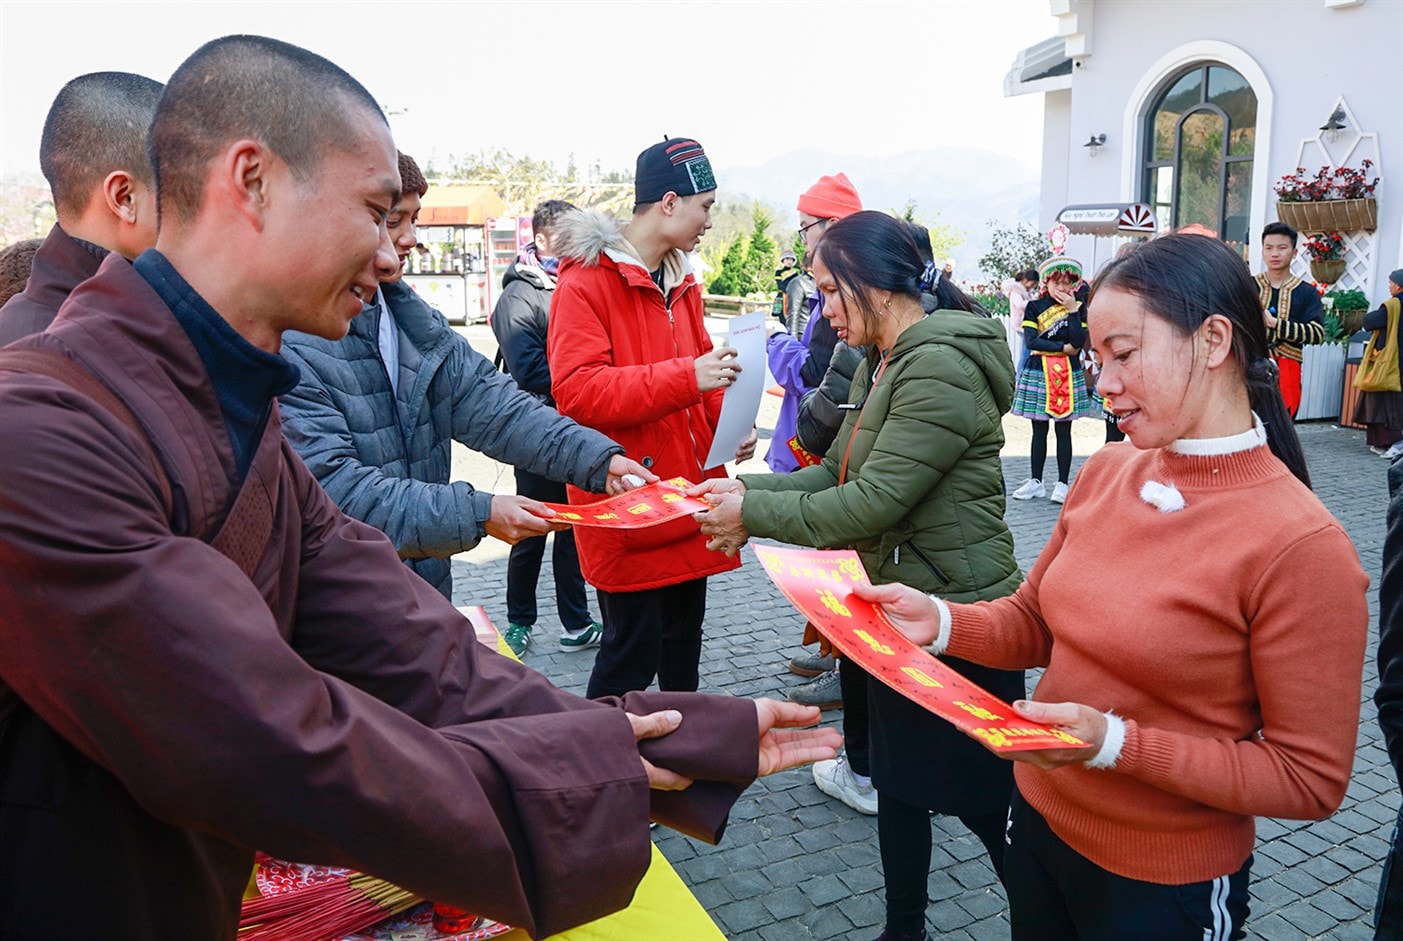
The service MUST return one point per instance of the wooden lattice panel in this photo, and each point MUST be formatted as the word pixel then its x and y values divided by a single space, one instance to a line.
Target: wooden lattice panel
pixel 1350 148
pixel 1361 254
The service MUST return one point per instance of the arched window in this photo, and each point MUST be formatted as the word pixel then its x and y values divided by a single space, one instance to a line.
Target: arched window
pixel 1199 141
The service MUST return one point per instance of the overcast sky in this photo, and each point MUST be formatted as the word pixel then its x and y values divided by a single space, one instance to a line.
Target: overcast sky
pixel 750 80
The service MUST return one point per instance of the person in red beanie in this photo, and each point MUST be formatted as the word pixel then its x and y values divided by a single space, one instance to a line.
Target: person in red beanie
pixel 799 366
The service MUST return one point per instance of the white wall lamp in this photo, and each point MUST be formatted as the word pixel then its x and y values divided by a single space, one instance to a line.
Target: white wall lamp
pixel 1096 142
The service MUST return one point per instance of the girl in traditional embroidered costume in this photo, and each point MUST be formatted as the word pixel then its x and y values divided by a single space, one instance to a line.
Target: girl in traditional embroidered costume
pixel 1051 386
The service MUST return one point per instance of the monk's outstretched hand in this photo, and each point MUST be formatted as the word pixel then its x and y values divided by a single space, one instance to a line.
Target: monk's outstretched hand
pixel 784 739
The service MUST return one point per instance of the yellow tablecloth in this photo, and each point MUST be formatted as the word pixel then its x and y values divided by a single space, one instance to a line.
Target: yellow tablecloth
pixel 663 906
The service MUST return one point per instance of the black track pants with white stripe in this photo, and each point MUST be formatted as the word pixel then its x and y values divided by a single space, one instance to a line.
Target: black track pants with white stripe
pixel 1056 894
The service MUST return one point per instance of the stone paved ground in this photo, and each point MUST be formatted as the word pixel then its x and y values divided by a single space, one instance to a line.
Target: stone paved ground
pixel 797 865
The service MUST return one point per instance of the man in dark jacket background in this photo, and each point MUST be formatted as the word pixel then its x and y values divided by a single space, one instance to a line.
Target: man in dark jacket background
pixel 93 153
pixel 376 412
pixel 519 322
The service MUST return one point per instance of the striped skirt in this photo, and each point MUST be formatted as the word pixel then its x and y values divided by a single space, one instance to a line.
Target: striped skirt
pixel 1062 399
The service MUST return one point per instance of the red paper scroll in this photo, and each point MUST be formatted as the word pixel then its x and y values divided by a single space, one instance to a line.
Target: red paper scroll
pixel 819 583
pixel 656 503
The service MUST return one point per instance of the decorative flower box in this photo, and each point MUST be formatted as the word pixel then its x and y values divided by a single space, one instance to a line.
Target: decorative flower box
pixel 1330 215
pixel 1326 270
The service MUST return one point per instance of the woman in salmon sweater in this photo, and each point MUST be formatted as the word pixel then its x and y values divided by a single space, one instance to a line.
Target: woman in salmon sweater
pixel 1219 678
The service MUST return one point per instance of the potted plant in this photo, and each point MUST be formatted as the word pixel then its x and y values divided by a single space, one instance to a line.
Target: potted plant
pixel 1349 308
pixel 1327 257
pixel 1334 199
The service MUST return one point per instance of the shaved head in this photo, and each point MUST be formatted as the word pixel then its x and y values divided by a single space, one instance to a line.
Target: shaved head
pixel 292 101
pixel 96 125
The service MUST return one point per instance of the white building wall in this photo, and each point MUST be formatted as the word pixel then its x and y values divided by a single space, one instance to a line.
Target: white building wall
pixel 1057 112
pixel 1307 54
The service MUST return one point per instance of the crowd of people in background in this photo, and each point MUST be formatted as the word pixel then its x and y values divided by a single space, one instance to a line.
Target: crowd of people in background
pixel 226 548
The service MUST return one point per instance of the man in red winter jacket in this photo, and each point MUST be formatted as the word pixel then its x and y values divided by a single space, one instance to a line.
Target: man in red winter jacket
pixel 630 356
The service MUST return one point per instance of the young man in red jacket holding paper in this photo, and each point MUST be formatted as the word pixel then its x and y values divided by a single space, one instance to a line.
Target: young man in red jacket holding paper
pixel 630 356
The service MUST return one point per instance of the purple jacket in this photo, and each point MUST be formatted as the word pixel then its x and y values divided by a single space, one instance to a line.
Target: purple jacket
pixel 167 706
pixel 786 357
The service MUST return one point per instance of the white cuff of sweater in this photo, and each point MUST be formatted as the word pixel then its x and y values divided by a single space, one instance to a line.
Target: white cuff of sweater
pixel 942 640
pixel 1111 745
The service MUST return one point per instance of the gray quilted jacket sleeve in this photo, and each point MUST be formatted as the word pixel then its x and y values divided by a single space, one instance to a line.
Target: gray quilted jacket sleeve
pixel 343 421
pixel 423 519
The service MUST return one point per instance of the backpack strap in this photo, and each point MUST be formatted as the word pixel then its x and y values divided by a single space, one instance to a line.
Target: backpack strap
pixel 38 361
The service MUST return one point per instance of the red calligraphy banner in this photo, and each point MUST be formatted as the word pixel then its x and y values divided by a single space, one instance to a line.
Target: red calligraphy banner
pixel 803 455
pixel 656 503
pixel 819 583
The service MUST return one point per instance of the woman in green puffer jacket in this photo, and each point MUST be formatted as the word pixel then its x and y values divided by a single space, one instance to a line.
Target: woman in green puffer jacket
pixel 914 484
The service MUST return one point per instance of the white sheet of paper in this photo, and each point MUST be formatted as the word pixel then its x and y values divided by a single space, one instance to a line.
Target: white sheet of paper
pixel 742 400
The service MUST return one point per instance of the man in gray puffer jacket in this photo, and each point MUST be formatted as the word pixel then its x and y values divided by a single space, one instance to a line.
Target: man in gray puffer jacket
pixel 379 439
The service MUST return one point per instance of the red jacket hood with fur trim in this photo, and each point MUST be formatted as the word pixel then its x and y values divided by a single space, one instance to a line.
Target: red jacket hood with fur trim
pixel 621 358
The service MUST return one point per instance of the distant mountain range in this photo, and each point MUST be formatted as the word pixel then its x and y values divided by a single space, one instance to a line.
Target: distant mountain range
pixel 966 186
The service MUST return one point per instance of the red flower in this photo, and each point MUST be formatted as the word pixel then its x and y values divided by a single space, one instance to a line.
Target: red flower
pixel 1337 183
pixel 1329 247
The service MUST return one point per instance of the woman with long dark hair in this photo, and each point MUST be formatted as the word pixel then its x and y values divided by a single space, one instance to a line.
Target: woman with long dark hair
pixel 1217 676
pixel 912 482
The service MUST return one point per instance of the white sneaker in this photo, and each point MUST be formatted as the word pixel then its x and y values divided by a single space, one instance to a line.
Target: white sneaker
pixel 1059 493
pixel 1394 451
pixel 835 779
pixel 1032 487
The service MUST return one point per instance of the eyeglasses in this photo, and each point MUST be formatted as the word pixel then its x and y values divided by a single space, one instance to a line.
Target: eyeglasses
pixel 804 229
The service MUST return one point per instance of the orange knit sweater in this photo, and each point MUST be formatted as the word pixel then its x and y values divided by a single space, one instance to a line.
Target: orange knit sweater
pixel 1230 637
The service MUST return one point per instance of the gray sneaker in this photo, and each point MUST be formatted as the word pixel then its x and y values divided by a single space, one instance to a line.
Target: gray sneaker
pixel 835 778
pixel 589 637
pixel 826 692
pixel 812 664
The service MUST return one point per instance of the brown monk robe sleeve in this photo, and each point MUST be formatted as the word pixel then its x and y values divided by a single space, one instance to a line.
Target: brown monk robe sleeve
pixel 367 730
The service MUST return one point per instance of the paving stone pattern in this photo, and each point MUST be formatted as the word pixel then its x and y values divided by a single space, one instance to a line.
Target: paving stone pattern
pixel 797 865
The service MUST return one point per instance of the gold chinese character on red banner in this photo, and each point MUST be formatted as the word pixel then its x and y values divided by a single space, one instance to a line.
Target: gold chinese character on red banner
pixel 820 584
pixel 830 600
pixel 652 505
